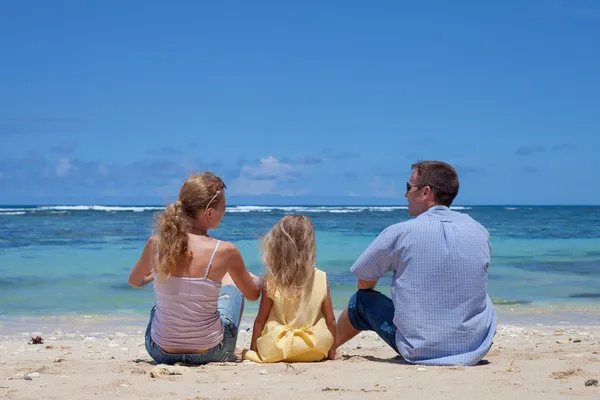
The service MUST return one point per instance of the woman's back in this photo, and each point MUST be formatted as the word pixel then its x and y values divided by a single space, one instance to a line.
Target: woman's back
pixel 186 314
pixel 207 259
pixel 200 282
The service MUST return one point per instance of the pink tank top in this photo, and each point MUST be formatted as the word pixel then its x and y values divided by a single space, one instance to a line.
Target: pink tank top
pixel 186 313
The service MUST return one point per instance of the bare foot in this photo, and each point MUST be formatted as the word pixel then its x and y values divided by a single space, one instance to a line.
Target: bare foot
pixel 237 355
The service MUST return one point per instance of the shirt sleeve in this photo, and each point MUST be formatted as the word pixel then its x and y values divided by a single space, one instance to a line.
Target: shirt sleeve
pixel 379 258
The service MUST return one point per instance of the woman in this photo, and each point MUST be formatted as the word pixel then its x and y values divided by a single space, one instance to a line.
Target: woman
pixel 199 281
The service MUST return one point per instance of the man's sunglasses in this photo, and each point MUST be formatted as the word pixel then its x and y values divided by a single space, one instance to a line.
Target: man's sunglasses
pixel 409 186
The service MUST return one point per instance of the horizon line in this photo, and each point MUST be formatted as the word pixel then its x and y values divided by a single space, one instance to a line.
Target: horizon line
pixel 14 205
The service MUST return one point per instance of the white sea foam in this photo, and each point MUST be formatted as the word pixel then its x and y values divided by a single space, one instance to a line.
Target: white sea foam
pixel 511 208
pixel 314 209
pixel 245 209
pixel 97 208
pixel 232 209
pixel 64 208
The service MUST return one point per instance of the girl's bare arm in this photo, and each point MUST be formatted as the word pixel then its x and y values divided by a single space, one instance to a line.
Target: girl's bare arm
pixel 261 318
pixel 327 309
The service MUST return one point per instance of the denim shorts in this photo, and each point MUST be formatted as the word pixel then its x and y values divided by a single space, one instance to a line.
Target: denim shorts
pixel 370 310
pixel 229 306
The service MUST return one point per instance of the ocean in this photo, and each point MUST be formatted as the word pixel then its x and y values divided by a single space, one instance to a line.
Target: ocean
pixel 61 262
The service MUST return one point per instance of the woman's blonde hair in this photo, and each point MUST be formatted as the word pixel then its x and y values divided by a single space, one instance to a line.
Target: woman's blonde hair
pixel 197 193
pixel 289 253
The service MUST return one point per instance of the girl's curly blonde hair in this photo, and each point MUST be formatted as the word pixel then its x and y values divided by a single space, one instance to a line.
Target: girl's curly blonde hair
pixel 197 193
pixel 289 254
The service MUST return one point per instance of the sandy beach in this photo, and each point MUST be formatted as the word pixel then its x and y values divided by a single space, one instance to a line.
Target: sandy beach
pixel 533 362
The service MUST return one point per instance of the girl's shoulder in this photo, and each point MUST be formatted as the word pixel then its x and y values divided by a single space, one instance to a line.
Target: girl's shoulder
pixel 319 280
pixel 319 272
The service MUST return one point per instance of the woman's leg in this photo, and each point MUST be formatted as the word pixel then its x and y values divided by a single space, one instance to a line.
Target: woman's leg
pixel 228 281
pixel 231 307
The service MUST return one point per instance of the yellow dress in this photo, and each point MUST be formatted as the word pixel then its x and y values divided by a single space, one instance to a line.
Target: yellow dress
pixel 295 331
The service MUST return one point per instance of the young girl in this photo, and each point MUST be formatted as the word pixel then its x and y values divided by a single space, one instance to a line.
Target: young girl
pixel 295 320
pixel 199 282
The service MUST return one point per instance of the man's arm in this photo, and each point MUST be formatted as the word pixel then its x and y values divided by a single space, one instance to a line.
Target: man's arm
pixel 366 284
pixel 379 258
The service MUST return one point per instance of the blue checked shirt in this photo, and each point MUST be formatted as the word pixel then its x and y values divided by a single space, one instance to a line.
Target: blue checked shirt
pixel 440 266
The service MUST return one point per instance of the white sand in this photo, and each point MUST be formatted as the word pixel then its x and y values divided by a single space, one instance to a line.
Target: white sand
pixel 537 362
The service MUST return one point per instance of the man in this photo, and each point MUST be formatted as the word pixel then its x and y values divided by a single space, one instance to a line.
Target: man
pixel 440 312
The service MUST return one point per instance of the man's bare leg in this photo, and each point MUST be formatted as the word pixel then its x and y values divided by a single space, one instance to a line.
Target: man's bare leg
pixel 344 330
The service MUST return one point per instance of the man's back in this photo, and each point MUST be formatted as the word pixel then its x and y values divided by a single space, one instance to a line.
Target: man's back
pixel 439 289
pixel 443 311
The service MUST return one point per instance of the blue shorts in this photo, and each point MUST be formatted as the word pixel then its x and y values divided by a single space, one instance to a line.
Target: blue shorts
pixel 370 310
pixel 229 307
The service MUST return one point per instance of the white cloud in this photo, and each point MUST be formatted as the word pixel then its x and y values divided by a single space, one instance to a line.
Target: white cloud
pixel 263 178
pixel 353 194
pixel 63 167
pixel 268 168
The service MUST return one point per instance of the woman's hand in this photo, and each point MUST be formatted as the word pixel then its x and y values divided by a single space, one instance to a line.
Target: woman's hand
pixel 249 284
pixel 148 278
pixel 258 280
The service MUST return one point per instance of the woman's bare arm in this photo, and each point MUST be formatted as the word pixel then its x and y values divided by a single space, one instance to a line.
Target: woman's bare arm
pixel 248 283
pixel 142 274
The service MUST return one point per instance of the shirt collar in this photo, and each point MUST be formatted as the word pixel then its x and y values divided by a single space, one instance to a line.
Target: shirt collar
pixel 438 208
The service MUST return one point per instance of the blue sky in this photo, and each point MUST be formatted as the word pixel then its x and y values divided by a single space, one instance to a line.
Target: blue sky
pixel 313 102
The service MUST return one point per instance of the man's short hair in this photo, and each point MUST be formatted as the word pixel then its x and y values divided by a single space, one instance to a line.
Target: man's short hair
pixel 442 179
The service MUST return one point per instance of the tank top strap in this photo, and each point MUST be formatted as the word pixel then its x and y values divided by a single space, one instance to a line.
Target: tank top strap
pixel 212 258
pixel 156 258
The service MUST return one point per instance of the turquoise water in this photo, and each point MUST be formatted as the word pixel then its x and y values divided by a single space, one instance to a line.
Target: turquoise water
pixel 75 260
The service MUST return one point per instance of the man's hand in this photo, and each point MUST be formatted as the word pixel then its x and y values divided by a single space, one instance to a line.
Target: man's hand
pixel 366 284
